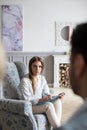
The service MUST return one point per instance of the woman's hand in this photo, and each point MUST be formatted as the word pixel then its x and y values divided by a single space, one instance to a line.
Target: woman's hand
pixel 48 97
pixel 61 95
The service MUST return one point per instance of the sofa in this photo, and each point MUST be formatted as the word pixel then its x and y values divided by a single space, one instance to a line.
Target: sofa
pixel 16 114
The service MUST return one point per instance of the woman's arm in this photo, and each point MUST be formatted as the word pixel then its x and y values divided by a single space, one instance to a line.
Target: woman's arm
pixel 26 91
pixel 46 90
pixel 46 98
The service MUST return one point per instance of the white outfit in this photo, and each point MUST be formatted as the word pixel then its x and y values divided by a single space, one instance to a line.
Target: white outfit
pixel 78 121
pixel 53 110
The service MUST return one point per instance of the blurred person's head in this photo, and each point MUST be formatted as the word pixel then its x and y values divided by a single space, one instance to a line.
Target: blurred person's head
pixel 2 62
pixel 78 59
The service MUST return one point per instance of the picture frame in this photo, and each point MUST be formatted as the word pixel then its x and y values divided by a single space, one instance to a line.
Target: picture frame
pixel 12 27
pixel 61 28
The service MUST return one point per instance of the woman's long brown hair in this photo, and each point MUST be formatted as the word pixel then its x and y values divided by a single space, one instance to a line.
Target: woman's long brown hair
pixel 32 60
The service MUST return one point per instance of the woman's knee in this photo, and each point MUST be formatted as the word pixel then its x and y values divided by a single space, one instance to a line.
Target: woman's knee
pixel 58 101
pixel 49 106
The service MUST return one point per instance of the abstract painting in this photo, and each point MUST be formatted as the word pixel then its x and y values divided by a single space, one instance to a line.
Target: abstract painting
pixel 12 27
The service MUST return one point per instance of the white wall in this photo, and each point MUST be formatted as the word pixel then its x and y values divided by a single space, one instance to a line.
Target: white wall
pixel 40 16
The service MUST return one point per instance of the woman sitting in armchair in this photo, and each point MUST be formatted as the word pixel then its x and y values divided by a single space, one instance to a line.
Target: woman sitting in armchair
pixel 34 88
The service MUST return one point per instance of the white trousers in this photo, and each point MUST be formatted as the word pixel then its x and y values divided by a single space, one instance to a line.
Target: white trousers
pixel 52 110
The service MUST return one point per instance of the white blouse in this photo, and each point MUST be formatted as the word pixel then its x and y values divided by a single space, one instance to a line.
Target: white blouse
pixel 26 89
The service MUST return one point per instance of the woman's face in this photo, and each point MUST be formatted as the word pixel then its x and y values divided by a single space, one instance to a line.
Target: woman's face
pixel 36 68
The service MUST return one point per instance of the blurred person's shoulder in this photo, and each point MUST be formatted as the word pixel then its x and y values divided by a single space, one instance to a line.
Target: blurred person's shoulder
pixel 79 119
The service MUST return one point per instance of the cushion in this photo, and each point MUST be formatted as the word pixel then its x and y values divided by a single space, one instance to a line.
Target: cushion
pixel 21 69
pixel 11 81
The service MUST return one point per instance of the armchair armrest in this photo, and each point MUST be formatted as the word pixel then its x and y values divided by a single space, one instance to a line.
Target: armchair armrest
pixel 17 110
pixel 20 107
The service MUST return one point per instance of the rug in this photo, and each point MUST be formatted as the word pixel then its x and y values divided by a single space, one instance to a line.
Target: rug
pixel 70 102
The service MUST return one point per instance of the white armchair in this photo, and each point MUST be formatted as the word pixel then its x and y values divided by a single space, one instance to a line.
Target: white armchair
pixel 17 114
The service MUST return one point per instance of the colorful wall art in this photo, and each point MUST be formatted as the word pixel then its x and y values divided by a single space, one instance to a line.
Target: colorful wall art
pixel 12 27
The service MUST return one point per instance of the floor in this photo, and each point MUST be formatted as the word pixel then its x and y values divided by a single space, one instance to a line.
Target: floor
pixel 70 102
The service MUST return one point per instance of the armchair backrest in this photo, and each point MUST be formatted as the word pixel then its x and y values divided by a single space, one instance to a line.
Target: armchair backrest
pixel 14 71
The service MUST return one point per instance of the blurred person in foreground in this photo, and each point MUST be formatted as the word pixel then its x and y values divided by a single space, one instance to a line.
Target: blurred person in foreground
pixel 2 64
pixel 2 60
pixel 78 77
